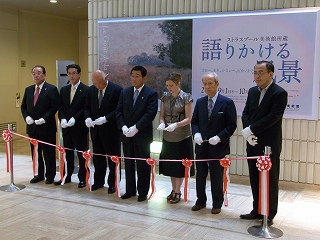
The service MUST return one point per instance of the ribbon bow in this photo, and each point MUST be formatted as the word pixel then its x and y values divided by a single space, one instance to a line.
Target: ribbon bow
pixel 187 163
pixel 152 163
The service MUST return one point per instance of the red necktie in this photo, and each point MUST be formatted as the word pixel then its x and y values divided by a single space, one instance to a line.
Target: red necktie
pixel 36 95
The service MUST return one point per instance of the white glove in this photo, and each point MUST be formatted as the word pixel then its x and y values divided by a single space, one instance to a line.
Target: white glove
pixel 252 140
pixel 100 121
pixel 125 130
pixel 71 122
pixel 161 127
pixel 89 123
pixel 64 123
pixel 132 131
pixel 198 138
pixel 40 121
pixel 29 120
pixel 214 140
pixel 246 132
pixel 171 127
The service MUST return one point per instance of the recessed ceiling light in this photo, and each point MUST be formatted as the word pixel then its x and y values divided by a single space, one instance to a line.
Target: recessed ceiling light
pixel 53 1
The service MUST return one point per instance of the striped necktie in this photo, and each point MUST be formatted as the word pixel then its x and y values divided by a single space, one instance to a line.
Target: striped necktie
pixel 210 107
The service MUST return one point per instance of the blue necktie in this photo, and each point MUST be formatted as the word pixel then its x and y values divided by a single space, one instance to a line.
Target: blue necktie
pixel 135 96
pixel 210 107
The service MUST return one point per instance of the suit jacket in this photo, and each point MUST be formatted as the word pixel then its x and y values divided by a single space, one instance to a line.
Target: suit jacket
pixel 109 130
pixel 141 114
pixel 223 123
pixel 74 109
pixel 46 108
pixel 265 120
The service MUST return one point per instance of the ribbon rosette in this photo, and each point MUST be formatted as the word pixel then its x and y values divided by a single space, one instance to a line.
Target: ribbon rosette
pixel 187 163
pixel 264 165
pixel 225 163
pixel 116 160
pixel 152 163
pixel 35 143
pixel 87 156
pixel 62 164
pixel 7 136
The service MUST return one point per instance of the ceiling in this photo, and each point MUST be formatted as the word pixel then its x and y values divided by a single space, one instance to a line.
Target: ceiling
pixel 72 9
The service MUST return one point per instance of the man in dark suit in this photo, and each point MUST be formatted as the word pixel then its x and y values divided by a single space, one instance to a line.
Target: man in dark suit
pixel 38 108
pixel 74 130
pixel 100 114
pixel 213 122
pixel 137 108
pixel 262 123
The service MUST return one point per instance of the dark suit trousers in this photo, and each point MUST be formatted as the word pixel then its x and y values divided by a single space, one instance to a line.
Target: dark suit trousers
pixel 143 168
pixel 100 162
pixel 216 180
pixel 79 143
pixel 46 155
pixel 273 185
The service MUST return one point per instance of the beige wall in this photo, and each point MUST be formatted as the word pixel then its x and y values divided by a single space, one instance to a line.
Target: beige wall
pixel 300 158
pixel 35 39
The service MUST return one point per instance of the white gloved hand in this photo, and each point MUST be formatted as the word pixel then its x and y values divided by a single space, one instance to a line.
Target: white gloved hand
pixel 125 130
pixel 132 131
pixel 198 138
pixel 71 122
pixel 29 120
pixel 161 127
pixel 252 140
pixel 246 132
pixel 40 121
pixel 89 123
pixel 64 123
pixel 100 121
pixel 214 140
pixel 171 127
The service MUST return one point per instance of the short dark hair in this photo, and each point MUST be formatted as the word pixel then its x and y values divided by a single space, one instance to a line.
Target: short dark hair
pixel 269 65
pixel 76 66
pixel 39 66
pixel 141 69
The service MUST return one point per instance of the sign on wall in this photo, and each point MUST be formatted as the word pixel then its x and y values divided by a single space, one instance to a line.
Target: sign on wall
pixel 228 43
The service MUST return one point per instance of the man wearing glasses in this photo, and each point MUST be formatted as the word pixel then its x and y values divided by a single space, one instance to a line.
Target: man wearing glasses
pixel 262 122
pixel 74 130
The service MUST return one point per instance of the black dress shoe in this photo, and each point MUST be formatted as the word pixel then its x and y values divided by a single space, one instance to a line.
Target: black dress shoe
pixel 197 207
pixel 59 182
pixel 36 179
pixel 95 187
pixel 250 216
pixel 49 181
pixel 216 210
pixel 127 195
pixel 142 198
pixel 111 190
pixel 82 184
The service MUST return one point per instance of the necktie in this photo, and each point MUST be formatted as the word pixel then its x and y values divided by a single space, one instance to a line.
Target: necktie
pixel 100 97
pixel 36 95
pixel 210 107
pixel 262 93
pixel 135 96
pixel 72 92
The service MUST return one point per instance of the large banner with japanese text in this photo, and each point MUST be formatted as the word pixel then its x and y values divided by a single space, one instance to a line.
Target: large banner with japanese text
pixel 228 43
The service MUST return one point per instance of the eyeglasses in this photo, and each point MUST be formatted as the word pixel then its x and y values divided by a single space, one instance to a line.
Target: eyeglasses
pixel 260 73
pixel 73 73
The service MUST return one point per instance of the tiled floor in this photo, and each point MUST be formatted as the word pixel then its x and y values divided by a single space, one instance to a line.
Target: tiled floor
pixel 42 212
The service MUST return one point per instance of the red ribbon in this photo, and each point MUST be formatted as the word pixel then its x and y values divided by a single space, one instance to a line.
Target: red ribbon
pixel 87 156
pixel 187 163
pixel 225 163
pixel 34 142
pixel 152 162
pixel 7 136
pixel 62 164
pixel 115 159
pixel 264 164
